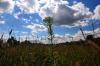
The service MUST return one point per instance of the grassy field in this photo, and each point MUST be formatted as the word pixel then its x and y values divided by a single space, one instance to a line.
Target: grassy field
pixel 50 55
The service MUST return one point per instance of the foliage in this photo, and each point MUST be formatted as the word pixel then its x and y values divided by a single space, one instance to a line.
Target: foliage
pixel 12 41
pixel 90 37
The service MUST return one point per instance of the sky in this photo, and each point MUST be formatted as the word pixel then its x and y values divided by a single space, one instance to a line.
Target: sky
pixel 25 17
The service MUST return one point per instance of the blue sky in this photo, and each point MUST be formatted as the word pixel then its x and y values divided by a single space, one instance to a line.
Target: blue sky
pixel 25 16
pixel 91 4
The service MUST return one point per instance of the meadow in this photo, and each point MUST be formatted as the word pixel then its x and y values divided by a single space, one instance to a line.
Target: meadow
pixel 78 53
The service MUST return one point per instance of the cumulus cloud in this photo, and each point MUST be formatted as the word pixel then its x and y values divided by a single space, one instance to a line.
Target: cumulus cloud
pixel 62 38
pixel 6 6
pixel 75 37
pixel 29 6
pixel 33 6
pixel 82 10
pixel 79 35
pixel 49 7
pixel 45 11
pixel 97 32
pixel 58 9
pixel 68 15
pixel 62 13
pixel 65 15
pixel 81 23
pixel 77 24
pixel 57 38
pixel 36 27
pixel 96 12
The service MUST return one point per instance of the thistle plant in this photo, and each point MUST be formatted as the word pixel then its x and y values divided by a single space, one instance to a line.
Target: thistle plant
pixel 48 22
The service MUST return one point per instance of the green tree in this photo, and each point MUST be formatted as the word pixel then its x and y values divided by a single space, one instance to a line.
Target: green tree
pixel 48 22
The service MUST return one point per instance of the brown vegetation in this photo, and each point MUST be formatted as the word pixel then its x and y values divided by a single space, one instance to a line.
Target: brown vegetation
pixel 79 53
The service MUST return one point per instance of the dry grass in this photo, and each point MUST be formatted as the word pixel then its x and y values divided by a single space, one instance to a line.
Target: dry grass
pixel 50 55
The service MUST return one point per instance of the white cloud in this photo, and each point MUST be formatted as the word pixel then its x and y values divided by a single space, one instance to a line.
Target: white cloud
pixel 2 22
pixel 49 8
pixel 81 23
pixel 16 15
pixel 96 12
pixel 82 10
pixel 57 38
pixel 62 13
pixel 29 6
pixel 77 24
pixel 68 15
pixel 5 36
pixel 6 6
pixel 58 9
pixel 97 30
pixel 65 15
pixel 79 35
pixel 36 27
pixel 62 38
pixel 45 11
